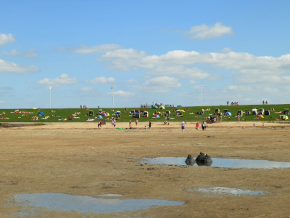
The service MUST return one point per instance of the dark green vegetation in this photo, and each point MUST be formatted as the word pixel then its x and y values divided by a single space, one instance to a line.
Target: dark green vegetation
pixel 190 114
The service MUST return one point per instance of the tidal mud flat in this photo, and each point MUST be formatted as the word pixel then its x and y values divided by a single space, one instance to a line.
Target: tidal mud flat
pixel 84 160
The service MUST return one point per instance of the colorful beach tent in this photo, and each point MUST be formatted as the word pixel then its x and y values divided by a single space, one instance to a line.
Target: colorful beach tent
pixel 283 117
pixel 228 114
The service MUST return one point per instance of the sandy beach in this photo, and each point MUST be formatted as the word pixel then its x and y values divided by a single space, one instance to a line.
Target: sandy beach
pixel 80 159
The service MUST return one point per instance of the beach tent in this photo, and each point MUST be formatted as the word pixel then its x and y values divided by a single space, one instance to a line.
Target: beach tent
pixel 100 116
pixel 261 116
pixel 254 111
pixel 41 113
pixel 228 114
pixel 261 111
pixel 91 113
pixel 136 115
pixel 267 112
pixel 145 114
pixel 283 117
pixel 216 110
pixel 161 107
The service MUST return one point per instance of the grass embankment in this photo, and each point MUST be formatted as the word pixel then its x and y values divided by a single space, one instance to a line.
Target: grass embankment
pixel 62 114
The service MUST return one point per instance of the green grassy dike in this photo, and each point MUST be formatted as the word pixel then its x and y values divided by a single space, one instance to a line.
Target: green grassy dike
pixel 62 114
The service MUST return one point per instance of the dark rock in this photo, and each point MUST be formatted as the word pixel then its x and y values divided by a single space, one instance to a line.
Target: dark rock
pixel 190 160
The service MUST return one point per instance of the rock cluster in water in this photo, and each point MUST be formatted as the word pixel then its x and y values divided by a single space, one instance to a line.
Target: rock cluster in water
pixel 201 160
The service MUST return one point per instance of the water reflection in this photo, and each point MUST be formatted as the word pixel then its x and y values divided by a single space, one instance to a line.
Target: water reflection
pixel 222 162
pixel 228 191
pixel 65 202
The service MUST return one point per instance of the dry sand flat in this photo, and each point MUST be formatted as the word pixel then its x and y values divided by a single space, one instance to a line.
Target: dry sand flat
pixel 80 159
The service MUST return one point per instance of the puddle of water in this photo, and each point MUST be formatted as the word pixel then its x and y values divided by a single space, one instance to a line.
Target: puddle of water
pixel 222 162
pixel 85 204
pixel 109 195
pixel 228 191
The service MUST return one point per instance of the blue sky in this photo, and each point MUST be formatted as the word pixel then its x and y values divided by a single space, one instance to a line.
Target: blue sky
pixel 149 51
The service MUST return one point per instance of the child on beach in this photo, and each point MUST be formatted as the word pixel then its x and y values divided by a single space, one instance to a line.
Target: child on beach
pixel 197 125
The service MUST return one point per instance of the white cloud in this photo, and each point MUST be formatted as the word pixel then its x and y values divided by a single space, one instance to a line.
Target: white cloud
pixel 208 32
pixel 241 69
pixel 25 54
pixel 30 54
pixel 179 71
pixel 124 54
pixel 99 80
pixel 10 67
pixel 2 102
pixel 84 49
pixel 6 38
pixel 226 50
pixel 14 52
pixel 121 93
pixel 123 59
pixel 271 90
pixel 131 59
pixel 86 89
pixel 63 79
pixel 132 81
pixel 159 84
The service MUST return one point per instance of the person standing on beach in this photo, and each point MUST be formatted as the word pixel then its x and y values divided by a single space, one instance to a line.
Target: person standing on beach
pixel 182 126
pixel 130 124
pixel 149 124
pixel 114 122
pixel 203 126
pixel 197 125
pixel 136 122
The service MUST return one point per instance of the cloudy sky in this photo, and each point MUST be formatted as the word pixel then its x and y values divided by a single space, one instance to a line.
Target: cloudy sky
pixel 172 52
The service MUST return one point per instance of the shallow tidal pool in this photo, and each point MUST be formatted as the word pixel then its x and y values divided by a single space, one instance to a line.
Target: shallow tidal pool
pixel 108 203
pixel 221 162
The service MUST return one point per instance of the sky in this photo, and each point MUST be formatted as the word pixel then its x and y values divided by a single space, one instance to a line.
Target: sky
pixel 117 54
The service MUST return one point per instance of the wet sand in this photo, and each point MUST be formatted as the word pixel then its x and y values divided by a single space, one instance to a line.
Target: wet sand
pixel 82 159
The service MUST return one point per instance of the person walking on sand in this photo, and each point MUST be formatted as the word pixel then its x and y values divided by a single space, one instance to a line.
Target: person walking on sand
pixel 182 126
pixel 203 126
pixel 130 124
pixel 136 122
pixel 149 124
pixel 113 122
pixel 197 125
